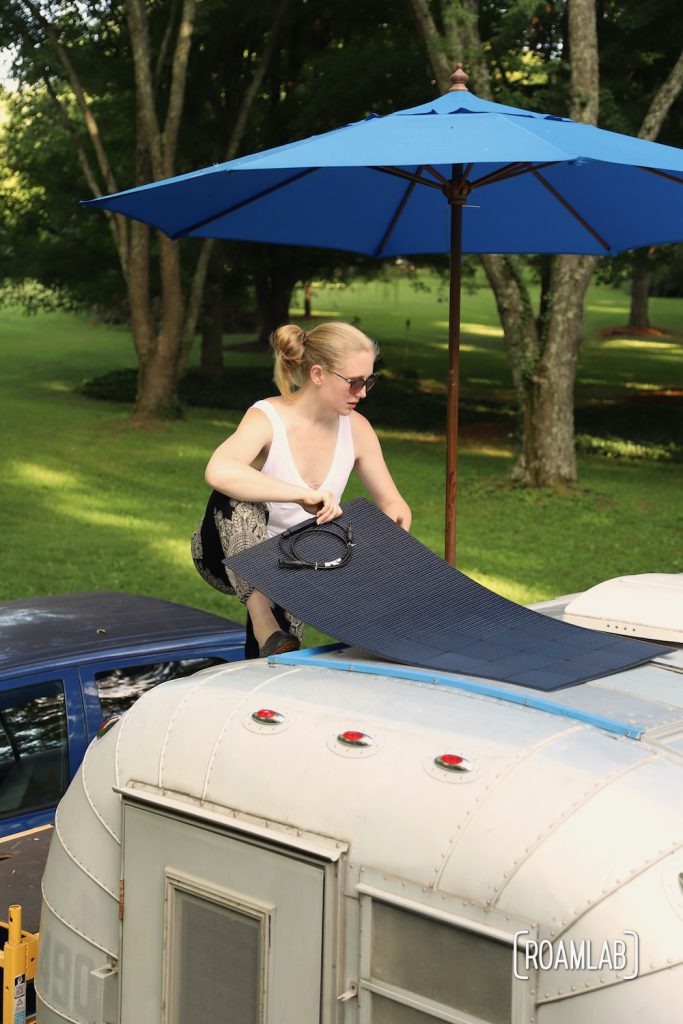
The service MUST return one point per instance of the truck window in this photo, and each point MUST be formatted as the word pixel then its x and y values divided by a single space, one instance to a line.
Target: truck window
pixel 439 966
pixel 34 762
pixel 119 688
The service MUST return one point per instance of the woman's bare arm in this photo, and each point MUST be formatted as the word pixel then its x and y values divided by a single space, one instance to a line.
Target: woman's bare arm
pixel 231 472
pixel 373 471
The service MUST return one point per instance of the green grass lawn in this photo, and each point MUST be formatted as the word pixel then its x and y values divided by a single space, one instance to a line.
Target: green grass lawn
pixel 607 365
pixel 88 502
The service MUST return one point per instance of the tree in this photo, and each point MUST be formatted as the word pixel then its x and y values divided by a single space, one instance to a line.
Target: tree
pixel 644 261
pixel 336 64
pixel 542 350
pixel 78 61
pixel 641 281
pixel 329 66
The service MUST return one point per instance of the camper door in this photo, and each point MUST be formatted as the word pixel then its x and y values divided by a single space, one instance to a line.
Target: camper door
pixel 216 919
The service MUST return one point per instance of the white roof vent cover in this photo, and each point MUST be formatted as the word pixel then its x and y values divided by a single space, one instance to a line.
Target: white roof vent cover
pixel 648 606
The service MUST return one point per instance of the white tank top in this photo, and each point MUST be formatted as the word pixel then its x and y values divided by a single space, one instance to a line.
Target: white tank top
pixel 280 465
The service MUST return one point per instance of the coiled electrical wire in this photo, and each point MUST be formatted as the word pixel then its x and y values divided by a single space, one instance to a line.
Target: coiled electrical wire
pixel 289 539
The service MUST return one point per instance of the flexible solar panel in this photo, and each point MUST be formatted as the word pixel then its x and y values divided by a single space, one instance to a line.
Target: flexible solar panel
pixel 395 598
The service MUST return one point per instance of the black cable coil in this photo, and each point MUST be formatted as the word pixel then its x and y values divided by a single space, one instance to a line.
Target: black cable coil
pixel 290 558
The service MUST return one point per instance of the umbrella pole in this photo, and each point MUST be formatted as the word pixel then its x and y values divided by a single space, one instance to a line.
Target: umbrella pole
pixel 453 364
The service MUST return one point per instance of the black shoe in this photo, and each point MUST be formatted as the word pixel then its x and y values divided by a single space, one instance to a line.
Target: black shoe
pixel 278 643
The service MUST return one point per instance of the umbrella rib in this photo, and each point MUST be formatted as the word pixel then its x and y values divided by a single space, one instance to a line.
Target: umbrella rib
pixel 662 174
pixel 400 173
pixel 575 213
pixel 437 174
pixel 243 203
pixel 397 213
pixel 511 171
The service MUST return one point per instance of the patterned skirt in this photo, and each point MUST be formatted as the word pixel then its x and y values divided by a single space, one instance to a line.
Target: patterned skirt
pixel 228 528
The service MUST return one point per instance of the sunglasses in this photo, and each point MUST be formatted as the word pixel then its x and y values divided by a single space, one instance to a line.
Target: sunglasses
pixel 356 384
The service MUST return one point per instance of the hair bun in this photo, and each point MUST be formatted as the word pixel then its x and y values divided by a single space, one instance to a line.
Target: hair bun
pixel 288 342
pixel 327 345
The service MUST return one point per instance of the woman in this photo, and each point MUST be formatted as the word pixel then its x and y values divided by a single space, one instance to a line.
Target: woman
pixel 295 453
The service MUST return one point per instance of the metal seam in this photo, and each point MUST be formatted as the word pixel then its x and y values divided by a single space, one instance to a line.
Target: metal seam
pixel 117 751
pixel 645 866
pixel 72 927
pixel 585 991
pixel 507 770
pixel 229 719
pixel 197 686
pixel 669 668
pixel 637 696
pixel 81 866
pixel 588 795
pixel 52 1007
pixel 91 802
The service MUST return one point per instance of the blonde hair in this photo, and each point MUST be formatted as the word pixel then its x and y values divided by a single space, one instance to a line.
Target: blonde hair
pixel 327 345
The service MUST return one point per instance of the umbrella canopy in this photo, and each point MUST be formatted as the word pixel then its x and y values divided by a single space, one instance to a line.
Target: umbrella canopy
pixel 535 183
pixel 457 174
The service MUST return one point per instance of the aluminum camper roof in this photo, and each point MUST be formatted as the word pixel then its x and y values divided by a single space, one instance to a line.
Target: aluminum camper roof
pixel 540 776
pixel 39 630
pixel 555 821
pixel 629 703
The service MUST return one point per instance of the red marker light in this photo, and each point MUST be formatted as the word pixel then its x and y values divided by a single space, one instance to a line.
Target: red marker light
pixel 453 763
pixel 266 716
pixel 353 738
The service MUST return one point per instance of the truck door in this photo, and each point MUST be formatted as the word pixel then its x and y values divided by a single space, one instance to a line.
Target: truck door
pixel 217 926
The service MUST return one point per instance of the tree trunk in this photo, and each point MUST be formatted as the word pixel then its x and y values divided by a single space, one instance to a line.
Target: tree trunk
pixel 308 299
pixel 160 365
pixel 212 333
pixel 273 296
pixel 547 374
pixel 639 317
pixel 662 102
pixel 546 273
pixel 582 28
pixel 274 283
pixel 542 351
pixel 157 377
pixel 520 330
pixel 157 389
pixel 163 337
pixel 548 457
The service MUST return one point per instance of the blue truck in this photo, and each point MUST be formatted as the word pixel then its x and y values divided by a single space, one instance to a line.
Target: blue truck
pixel 68 663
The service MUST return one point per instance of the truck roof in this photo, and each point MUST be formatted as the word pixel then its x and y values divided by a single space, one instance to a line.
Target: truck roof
pixel 37 630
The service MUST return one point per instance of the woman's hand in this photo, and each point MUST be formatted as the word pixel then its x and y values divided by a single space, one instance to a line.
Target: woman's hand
pixel 321 504
pixel 400 512
pixel 404 519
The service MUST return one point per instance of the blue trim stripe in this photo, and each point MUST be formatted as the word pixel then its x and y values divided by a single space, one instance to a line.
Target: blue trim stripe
pixel 308 654
pixel 315 656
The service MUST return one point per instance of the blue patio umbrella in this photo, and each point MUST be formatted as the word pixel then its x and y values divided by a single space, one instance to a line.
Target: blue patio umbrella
pixel 457 174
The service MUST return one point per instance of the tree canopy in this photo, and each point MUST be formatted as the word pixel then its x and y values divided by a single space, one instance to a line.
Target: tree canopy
pixel 112 95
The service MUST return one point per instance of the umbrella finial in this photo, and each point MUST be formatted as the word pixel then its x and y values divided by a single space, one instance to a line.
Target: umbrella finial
pixel 459 80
